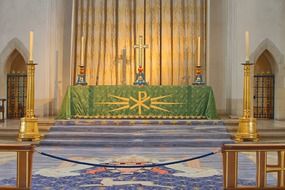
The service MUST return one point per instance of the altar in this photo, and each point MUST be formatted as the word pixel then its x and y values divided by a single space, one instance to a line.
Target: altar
pixel 138 102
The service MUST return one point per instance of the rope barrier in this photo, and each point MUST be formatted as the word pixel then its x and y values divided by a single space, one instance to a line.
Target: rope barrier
pixel 106 165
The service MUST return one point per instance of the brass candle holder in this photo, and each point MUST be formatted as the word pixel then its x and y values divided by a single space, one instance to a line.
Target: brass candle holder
pixel 81 77
pixel 29 124
pixel 198 80
pixel 247 124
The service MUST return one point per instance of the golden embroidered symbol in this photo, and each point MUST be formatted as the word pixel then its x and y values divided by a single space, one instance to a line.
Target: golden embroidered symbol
pixel 139 103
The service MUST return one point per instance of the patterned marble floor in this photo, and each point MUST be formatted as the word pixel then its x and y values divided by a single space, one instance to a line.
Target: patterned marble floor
pixel 48 173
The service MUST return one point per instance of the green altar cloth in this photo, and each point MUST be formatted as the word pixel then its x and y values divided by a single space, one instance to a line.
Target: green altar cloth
pixel 165 102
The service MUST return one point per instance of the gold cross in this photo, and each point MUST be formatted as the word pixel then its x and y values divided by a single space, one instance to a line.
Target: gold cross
pixel 141 47
pixel 280 168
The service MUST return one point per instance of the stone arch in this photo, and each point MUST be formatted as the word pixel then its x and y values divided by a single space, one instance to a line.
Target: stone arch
pixel 278 57
pixel 12 45
pixel 15 63
pixel 276 60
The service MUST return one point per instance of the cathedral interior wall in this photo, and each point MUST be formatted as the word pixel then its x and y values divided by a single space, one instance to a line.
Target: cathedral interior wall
pixel 227 22
pixel 262 19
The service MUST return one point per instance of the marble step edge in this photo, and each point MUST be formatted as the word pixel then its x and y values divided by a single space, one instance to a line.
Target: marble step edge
pixel 136 140
pixel 139 133
pixel 106 138
pixel 135 129
pixel 134 121
pixel 280 138
pixel 135 145
pixel 156 126
pixel 14 129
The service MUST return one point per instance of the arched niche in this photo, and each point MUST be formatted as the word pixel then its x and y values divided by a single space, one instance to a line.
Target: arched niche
pixel 264 86
pixel 16 70
pixel 15 63
pixel 14 50
pixel 5 63
pixel 268 58
pixel 264 64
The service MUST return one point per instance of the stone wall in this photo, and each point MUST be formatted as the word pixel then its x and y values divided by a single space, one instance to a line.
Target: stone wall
pixel 228 22
pixel 50 20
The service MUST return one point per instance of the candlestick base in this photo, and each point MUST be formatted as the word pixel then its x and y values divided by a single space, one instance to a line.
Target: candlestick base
pixel 81 77
pixel 29 130
pixel 140 77
pixel 246 130
pixel 81 80
pixel 198 80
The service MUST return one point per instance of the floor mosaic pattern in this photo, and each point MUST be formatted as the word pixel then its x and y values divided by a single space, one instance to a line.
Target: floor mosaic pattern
pixel 202 174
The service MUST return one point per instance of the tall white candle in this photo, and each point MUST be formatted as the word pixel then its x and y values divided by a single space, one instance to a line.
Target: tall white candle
pixel 246 46
pixel 198 61
pixel 31 45
pixel 82 51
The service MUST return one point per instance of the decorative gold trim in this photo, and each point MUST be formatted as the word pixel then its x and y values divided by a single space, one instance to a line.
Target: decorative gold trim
pixel 137 116
pixel 139 102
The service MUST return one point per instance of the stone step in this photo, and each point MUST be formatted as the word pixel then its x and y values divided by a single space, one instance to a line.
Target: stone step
pixel 137 143
pixel 134 129
pixel 90 122
pixel 154 135
pixel 3 130
pixel 12 133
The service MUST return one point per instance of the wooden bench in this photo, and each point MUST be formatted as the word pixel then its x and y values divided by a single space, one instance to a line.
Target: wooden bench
pixel 2 108
pixel 230 165
pixel 24 165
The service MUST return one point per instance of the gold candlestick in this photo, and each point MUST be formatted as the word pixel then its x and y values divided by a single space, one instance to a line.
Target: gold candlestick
pixel 29 124
pixel 247 124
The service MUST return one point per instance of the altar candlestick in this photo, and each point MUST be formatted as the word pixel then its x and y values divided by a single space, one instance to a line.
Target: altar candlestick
pixel 198 64
pixel 247 46
pixel 31 45
pixel 82 51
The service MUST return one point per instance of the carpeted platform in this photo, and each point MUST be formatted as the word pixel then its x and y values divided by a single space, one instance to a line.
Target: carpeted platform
pixel 137 136
pixel 136 144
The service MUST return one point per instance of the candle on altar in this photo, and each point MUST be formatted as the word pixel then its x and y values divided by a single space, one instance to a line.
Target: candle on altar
pixel 247 46
pixel 198 63
pixel 82 51
pixel 31 45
